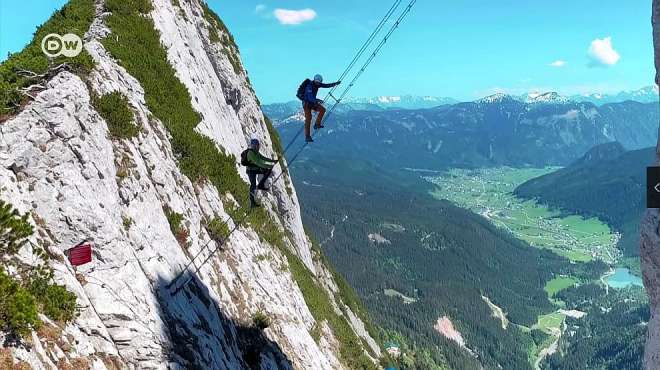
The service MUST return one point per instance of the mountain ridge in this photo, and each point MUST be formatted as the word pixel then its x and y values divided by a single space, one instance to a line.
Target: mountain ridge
pixel 496 131
pixel 647 94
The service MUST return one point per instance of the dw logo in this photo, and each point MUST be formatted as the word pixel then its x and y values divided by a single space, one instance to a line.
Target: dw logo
pixel 54 45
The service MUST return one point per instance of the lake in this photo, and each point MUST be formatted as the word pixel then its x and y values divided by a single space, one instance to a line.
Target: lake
pixel 622 278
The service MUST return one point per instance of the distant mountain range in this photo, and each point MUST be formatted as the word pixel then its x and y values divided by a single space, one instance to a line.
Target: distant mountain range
pixel 292 110
pixel 403 102
pixel 546 98
pixel 647 94
pixel 494 131
pixel 281 111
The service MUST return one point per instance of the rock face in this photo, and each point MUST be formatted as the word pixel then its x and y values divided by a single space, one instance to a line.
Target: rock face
pixel 59 164
pixel 650 239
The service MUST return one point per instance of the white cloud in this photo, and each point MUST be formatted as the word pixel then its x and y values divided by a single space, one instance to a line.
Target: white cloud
pixel 291 17
pixel 558 63
pixel 602 53
pixel 260 8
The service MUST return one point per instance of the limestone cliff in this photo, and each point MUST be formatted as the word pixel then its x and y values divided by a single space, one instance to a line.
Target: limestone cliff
pixel 650 239
pixel 61 164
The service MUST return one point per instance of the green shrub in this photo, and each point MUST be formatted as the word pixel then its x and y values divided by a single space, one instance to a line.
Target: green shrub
pixel 126 222
pixel 215 20
pixel 260 320
pixel 129 7
pixel 18 308
pixel 229 47
pixel 233 59
pixel 213 35
pixel 14 229
pixel 180 233
pixel 20 301
pixel 174 219
pixel 279 150
pixel 116 112
pixel 53 300
pixel 316 332
pixel 318 301
pixel 218 230
pixel 75 17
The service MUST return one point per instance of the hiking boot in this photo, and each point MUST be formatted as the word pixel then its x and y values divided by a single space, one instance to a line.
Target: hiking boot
pixel 309 139
pixel 264 188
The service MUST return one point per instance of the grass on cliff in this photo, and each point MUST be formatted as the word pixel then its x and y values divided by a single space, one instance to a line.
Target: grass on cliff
pixel 320 305
pixel 75 17
pixel 279 150
pixel 218 230
pixel 32 291
pixel 117 113
pixel 346 293
pixel 141 53
pixel 217 27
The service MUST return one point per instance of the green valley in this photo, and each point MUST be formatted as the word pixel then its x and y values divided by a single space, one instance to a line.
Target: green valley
pixel 444 278
pixel 489 192
pixel 608 183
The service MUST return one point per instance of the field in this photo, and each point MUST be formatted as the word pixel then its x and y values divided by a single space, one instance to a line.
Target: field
pixel 394 293
pixel 555 285
pixel 489 192
pixel 550 323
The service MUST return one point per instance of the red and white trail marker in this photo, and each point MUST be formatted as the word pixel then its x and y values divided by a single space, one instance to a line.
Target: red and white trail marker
pixel 80 254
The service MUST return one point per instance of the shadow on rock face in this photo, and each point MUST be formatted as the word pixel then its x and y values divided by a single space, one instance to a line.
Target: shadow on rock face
pixel 202 336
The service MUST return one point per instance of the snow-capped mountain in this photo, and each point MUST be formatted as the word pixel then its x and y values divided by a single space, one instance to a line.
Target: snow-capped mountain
pixel 405 101
pixel 282 113
pixel 529 98
pixel 544 98
pixel 647 94
pixel 494 131
pixel 495 98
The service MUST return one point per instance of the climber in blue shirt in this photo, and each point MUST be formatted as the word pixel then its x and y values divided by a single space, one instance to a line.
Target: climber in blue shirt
pixel 307 93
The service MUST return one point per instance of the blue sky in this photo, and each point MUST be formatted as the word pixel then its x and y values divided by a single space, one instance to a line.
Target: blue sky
pixel 459 48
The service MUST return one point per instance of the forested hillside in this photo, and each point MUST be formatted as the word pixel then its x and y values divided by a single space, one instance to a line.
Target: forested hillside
pixel 415 260
pixel 610 335
pixel 604 184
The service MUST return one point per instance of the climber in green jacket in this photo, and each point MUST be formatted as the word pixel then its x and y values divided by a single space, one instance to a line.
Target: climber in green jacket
pixel 256 165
